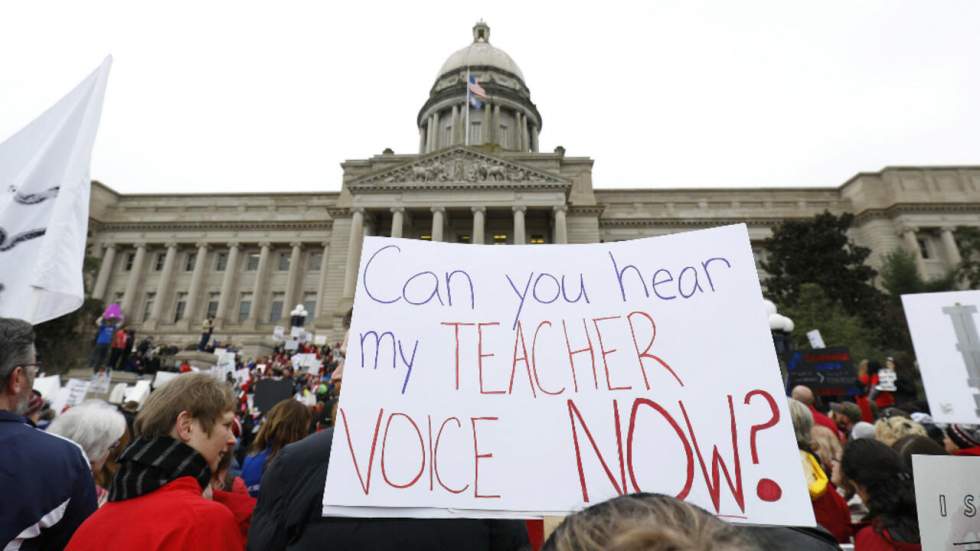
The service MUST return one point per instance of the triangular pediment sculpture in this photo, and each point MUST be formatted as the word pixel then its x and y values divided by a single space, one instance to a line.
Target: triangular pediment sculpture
pixel 459 166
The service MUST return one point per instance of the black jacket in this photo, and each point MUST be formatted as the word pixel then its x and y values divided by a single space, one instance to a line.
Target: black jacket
pixel 288 515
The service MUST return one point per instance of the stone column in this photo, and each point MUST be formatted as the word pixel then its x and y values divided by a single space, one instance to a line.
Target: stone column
pixel 224 299
pixel 519 237
pixel 524 134
pixel 105 270
pixel 294 280
pixel 164 285
pixel 259 287
pixel 438 222
pixel 518 121
pixel 561 226
pixel 497 138
pixel 435 131
pixel 197 279
pixel 135 276
pixel 321 288
pixel 534 138
pixel 452 125
pixel 422 139
pixel 397 221
pixel 428 134
pixel 952 251
pixel 354 251
pixel 912 244
pixel 479 221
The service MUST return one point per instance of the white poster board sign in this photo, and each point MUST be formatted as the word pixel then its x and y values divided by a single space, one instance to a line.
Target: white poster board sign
pixel 48 386
pixel 76 391
pixel 291 344
pixel 138 393
pixel 505 381
pixel 279 333
pixel 947 496
pixel 162 377
pixel 944 328
pixel 816 339
pixel 320 340
pixel 100 383
pixel 224 367
pixel 241 375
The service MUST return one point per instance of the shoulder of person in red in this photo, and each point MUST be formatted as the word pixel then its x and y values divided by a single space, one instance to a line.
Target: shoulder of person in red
pixel 870 540
pixel 974 451
pixel 176 516
pixel 823 420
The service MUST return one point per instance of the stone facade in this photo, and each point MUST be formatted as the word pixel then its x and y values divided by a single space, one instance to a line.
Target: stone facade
pixel 171 259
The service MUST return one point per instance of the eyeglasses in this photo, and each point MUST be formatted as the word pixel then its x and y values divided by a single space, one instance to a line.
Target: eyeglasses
pixel 36 366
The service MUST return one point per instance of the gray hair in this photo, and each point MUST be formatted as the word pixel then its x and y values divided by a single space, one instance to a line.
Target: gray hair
pixel 802 422
pixel 94 425
pixel 16 346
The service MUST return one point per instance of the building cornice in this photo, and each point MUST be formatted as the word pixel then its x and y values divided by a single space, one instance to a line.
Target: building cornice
pixel 690 222
pixel 245 226
pixel 916 208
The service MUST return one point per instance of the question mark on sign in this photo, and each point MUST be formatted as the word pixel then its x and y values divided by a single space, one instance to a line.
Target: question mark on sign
pixel 767 489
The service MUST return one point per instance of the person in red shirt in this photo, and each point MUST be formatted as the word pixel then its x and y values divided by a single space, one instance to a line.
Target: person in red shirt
pixel 155 499
pixel 805 395
pixel 877 474
pixel 118 347
pixel 962 440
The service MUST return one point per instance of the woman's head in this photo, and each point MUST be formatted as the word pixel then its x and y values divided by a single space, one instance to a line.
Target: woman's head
pixel 647 522
pixel 889 430
pixel 802 420
pixel 826 446
pixel 880 477
pixel 95 426
pixel 287 422
pixel 914 444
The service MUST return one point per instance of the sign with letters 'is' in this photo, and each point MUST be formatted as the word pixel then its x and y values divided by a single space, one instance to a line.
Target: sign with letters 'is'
pixel 517 381
pixel 947 499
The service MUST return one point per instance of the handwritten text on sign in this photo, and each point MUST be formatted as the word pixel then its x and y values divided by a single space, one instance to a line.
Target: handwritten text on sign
pixel 547 378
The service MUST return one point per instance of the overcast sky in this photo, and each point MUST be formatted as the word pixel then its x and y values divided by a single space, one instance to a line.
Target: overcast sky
pixel 263 96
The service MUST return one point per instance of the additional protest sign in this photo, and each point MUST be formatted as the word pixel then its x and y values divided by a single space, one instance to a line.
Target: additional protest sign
pixel 241 375
pixel 162 377
pixel 269 392
pixel 296 332
pixel 947 346
pixel 291 344
pixel 100 383
pixel 77 389
pixel 220 351
pixel 225 365
pixel 320 340
pixel 138 393
pixel 816 339
pixel 826 371
pixel 48 386
pixel 279 333
pixel 117 394
pixel 503 381
pixel 947 495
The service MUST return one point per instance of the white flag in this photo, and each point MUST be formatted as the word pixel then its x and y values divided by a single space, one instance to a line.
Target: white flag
pixel 44 200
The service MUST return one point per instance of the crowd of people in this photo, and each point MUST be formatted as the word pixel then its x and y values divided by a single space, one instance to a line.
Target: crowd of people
pixel 200 466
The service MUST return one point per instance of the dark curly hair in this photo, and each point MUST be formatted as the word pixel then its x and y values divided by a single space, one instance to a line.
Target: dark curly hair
pixel 880 471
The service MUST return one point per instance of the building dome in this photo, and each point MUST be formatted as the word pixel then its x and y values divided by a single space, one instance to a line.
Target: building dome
pixel 481 54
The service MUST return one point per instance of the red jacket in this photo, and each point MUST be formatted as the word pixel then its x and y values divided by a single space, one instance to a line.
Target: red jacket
pixel 869 540
pixel 825 421
pixel 832 513
pixel 239 503
pixel 968 451
pixel 174 517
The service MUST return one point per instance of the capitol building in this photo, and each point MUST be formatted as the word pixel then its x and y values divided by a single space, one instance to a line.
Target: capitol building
pixel 170 260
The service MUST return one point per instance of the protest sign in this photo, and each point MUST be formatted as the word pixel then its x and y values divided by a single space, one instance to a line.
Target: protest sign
pixel 504 381
pixel 828 371
pixel 138 393
pixel 291 344
pixel 279 333
pixel 118 394
pixel 816 339
pixel 241 375
pixel 947 346
pixel 48 386
pixel 947 495
pixel 296 332
pixel 225 365
pixel 75 392
pixel 162 377
pixel 269 392
pixel 100 383
pixel 320 340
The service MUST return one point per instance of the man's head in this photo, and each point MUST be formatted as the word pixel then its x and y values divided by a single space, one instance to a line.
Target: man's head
pixel 18 367
pixel 803 394
pixel 195 409
pixel 846 415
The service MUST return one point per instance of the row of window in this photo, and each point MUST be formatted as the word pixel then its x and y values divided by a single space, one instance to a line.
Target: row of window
pixel 313 261
pixel 277 307
pixel 497 238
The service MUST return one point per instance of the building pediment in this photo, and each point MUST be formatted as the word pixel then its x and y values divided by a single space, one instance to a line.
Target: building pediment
pixel 458 168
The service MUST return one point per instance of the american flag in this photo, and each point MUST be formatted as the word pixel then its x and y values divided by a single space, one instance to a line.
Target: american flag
pixel 476 91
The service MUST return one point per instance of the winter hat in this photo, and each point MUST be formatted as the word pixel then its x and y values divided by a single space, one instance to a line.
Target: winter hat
pixel 848 409
pixel 862 430
pixel 964 436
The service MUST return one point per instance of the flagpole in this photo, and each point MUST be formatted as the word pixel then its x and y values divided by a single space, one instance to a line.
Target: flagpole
pixel 466 130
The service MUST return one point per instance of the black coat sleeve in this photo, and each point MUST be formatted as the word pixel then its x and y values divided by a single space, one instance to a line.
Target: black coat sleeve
pixel 268 528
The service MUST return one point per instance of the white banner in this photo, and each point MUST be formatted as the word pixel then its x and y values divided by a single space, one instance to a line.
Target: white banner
pixel 44 201
pixel 502 381
pixel 947 496
pixel 944 328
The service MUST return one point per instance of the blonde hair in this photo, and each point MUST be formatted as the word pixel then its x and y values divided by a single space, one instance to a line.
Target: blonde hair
pixel 890 430
pixel 826 446
pixel 644 522
pixel 201 395
pixel 802 420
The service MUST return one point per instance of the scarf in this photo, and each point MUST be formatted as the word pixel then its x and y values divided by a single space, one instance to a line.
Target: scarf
pixel 148 464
